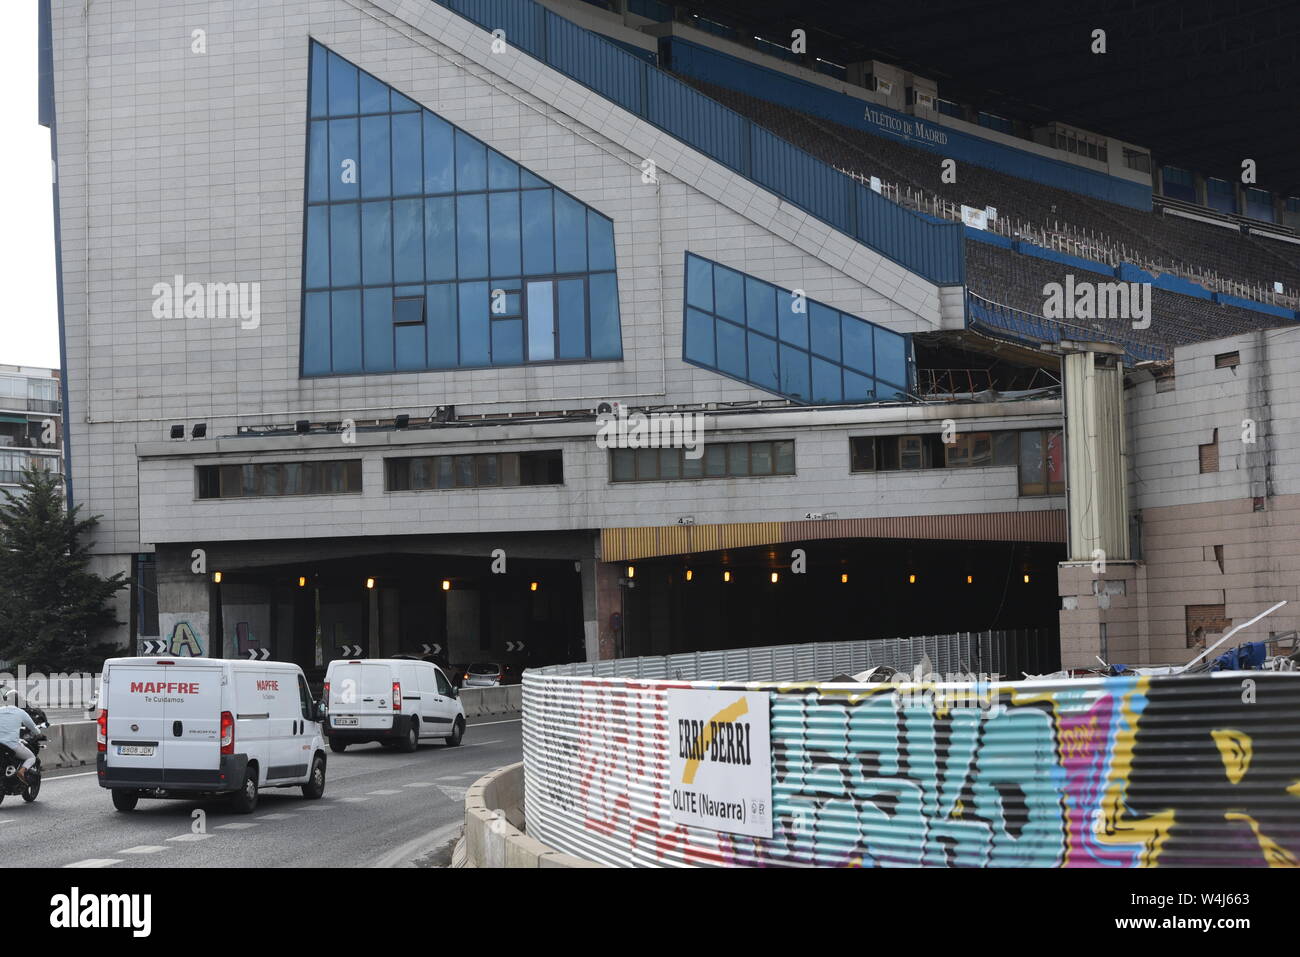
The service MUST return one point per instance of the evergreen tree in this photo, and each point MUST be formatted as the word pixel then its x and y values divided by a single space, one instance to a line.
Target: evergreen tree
pixel 51 607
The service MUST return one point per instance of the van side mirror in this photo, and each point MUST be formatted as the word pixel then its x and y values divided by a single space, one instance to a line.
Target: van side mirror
pixel 322 711
pixel 454 692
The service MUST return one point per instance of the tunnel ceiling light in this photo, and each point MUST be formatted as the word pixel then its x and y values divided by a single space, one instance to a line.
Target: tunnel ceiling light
pixel 776 576
pixel 726 576
pixel 631 571
pixel 1026 578
pixel 689 574
pixel 844 578
pixel 446 584
pixel 302 581
pixel 911 579
pixel 216 577
pixel 532 586
pixel 370 583
pixel 970 579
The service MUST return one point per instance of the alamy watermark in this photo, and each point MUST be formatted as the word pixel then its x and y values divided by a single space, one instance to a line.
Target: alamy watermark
pixel 179 299
pixel 620 429
pixel 1098 300
pixel 39 690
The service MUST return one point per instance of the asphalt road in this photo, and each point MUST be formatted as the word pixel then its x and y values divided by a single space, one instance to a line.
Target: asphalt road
pixel 380 809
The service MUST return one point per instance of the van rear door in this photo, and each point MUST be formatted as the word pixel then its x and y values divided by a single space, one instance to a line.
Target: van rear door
pixel 361 695
pixel 137 717
pixel 192 724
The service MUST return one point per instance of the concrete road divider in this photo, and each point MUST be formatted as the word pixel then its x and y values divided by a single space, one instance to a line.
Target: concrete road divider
pixel 502 699
pixel 494 814
pixel 69 745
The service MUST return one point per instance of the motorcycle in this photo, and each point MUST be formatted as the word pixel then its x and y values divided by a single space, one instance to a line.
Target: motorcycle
pixel 10 783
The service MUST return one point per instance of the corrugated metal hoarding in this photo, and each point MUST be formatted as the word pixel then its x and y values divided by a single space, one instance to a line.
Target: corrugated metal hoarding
pixel 1104 772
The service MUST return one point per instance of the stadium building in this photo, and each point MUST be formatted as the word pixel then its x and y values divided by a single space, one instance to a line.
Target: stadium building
pixel 370 307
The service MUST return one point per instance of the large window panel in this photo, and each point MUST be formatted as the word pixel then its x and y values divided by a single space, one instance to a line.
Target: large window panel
pixel 763 369
pixel 825 324
pixel 826 381
pixel 730 339
pixel 345 324
pixel 760 306
pixel 475 344
pixel 792 319
pixel 794 373
pixel 376 178
pixel 728 294
pixel 403 204
pixel 606 340
pixel 377 320
pixel 699 283
pixel 571 300
pixel 859 353
pixel 699 337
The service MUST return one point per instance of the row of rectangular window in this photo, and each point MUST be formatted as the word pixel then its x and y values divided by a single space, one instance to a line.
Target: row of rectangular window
pixel 471 236
pixel 1038 455
pixel 478 470
pixel 727 460
pixel 461 325
pixel 279 478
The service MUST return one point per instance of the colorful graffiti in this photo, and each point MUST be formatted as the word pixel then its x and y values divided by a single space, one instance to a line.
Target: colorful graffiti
pixel 1114 772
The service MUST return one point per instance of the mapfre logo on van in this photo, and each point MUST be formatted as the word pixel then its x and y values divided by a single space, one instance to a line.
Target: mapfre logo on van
pixel 268 686
pixel 164 687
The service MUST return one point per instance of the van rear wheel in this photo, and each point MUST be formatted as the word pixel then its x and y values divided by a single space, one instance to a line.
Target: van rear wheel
pixel 245 799
pixel 337 746
pixel 315 786
pixel 412 739
pixel 125 800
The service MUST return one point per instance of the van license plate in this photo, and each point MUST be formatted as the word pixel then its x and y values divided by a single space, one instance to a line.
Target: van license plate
pixel 345 722
pixel 140 749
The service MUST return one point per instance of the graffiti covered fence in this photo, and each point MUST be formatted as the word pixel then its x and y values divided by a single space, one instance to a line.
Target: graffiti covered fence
pixel 1105 772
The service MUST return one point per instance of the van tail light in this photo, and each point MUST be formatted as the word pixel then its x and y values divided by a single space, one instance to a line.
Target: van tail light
pixel 101 731
pixel 397 696
pixel 227 733
pixel 325 695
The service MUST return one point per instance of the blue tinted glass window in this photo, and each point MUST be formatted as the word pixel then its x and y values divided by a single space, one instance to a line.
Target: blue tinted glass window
pixel 345 324
pixel 820 355
pixel 760 306
pixel 440 237
pixel 762 362
pixel 408 175
pixel 404 209
pixel 439 155
pixel 377 321
pixel 342 86
pixel 792 319
pixel 539 231
pixel 699 283
pixel 319 82
pixel 570 234
pixel 408 240
pixel 408 347
pixel 699 337
pixel 571 318
pixel 473 327
pixel 891 357
pixel 600 241
pixel 858 352
pixel 377 242
pixel 606 342
pixel 316 333
pixel 318 168
pixel 318 247
pixel 374 95
pixel 731 348
pixel 502 173
pixel 344 158
pixel 825 324
pixel 728 294
pixel 826 381
pixel 507 341
pixel 471 236
pixel 440 317
pixel 471 163
pixel 503 227
pixel 345 245
pixel 794 373
pixel 541 321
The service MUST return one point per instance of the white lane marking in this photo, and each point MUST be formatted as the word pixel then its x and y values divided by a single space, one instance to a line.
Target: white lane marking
pixel 275 817
pixel 239 826
pixel 384 792
pixel 8 820
pixel 456 794
pixel 143 849
pixel 191 837
pixel 354 800
pixel 404 855
pixel 484 724
pixel 96 862
pixel 60 777
pixel 479 744
pixel 413 784
pixel 317 807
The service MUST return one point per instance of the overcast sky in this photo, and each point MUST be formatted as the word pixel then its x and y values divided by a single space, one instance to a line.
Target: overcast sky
pixel 30 318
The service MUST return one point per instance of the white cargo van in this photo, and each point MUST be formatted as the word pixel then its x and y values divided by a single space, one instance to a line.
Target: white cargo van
pixel 398 702
pixel 183 727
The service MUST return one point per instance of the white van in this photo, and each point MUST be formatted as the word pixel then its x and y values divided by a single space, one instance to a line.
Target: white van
pixel 182 727
pixel 398 702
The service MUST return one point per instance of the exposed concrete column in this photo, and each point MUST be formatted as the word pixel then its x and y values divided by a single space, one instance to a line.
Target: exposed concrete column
pixel 185 610
pixel 602 599
pixel 1103 614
